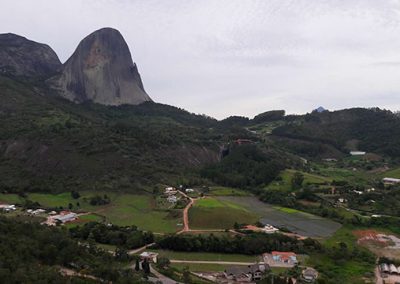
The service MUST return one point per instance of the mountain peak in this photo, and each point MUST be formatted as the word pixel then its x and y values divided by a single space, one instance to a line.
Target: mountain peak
pixel 102 70
pixel 22 57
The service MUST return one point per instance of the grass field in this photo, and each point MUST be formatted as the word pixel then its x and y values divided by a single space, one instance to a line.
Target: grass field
pixel 227 191
pixel 124 210
pixel 394 173
pixel 212 213
pixel 287 175
pixel 10 198
pixel 206 256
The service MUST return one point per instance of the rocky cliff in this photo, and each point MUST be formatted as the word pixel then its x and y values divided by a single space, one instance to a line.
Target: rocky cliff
pixel 25 58
pixel 101 70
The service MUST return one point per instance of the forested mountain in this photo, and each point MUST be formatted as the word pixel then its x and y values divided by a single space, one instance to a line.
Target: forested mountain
pixel 333 134
pixel 50 144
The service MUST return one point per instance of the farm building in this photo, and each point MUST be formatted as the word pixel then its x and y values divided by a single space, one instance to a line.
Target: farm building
pixel 172 199
pixel 149 256
pixel 64 218
pixel 189 190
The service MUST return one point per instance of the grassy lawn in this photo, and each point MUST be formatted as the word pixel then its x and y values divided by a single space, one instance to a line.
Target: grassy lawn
pixel 227 191
pixel 206 256
pixel 199 267
pixel 139 210
pixel 10 198
pixel 211 213
pixel 287 210
pixel 394 173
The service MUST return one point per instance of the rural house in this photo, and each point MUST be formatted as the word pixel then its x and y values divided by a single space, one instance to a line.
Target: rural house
pixel 245 274
pixel 309 274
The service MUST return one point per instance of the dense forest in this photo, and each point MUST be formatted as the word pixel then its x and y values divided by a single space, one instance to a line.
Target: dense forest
pixel 32 253
pixel 257 243
pixel 127 237
pixel 315 134
pixel 246 166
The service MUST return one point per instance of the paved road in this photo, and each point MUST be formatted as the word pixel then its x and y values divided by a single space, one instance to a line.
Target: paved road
pixel 164 279
pixel 135 251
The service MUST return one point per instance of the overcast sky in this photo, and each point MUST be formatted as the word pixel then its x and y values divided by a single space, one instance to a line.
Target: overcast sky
pixel 237 57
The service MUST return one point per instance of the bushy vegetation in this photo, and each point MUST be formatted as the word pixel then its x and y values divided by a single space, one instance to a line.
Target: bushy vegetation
pixel 248 244
pixel 32 253
pixel 127 237
pixel 246 166
pixel 372 130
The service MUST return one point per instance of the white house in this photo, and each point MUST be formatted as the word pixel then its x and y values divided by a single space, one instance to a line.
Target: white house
pixel 189 190
pixel 7 207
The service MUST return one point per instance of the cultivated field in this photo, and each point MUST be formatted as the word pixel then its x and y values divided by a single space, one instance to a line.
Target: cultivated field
pixel 213 213
pixel 299 222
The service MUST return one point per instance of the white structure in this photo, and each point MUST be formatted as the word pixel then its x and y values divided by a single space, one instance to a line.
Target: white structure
pixel 172 199
pixel 268 229
pixel 357 153
pixel 7 207
pixel 65 218
pixel 170 191
pixel 387 180
pixel 188 190
pixel 149 256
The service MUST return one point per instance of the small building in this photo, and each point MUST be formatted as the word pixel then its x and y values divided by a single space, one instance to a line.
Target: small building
pixel 309 274
pixel 285 257
pixel 330 160
pixel 357 153
pixel 389 181
pixel 149 256
pixel 189 190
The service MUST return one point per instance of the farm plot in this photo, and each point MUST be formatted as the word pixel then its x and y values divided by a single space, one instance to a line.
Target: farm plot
pixel 298 222
pixel 213 213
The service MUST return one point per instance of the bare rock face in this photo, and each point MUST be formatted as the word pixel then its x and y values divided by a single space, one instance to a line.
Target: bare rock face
pixel 25 58
pixel 101 70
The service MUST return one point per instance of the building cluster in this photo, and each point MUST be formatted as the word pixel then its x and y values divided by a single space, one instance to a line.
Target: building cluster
pixel 8 207
pixel 267 229
pixel 171 194
pixel 243 274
